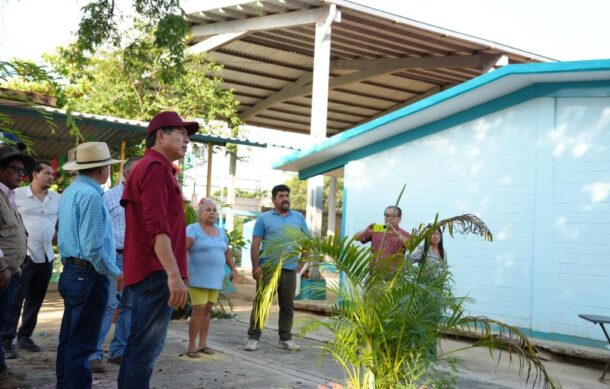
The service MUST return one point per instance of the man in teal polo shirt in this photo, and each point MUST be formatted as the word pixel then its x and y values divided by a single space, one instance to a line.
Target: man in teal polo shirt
pixel 269 225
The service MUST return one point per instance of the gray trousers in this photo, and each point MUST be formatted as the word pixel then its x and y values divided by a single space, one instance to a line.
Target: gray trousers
pixel 285 296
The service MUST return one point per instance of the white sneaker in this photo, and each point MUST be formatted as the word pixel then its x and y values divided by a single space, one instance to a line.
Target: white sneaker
pixel 252 345
pixel 288 345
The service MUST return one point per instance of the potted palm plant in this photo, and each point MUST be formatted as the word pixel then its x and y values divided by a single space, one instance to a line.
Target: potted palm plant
pixel 387 326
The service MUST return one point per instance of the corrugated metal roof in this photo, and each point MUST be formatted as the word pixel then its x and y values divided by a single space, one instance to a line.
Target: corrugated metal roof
pixel 50 144
pixel 261 63
pixel 360 141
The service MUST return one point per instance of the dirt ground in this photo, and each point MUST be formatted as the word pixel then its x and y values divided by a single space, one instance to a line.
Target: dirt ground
pixel 269 367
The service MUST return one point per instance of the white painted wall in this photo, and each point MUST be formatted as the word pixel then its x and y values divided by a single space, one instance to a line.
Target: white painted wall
pixel 538 173
pixel 581 213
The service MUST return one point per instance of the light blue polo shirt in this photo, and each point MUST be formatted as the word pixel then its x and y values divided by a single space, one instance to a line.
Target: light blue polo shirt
pixel 271 224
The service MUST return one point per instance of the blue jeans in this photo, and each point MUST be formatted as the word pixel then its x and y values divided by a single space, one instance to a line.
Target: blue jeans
pixel 149 320
pixel 30 288
pixel 6 297
pixel 114 296
pixel 85 294
pixel 123 325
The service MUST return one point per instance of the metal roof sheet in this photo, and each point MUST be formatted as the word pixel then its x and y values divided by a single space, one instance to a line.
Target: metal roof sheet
pixel 49 143
pixel 261 63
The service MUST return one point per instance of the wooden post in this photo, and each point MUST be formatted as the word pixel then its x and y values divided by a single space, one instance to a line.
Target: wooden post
pixel 208 188
pixel 231 191
pixel 122 158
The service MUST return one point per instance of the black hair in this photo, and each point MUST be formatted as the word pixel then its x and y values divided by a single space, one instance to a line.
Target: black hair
pixel 441 249
pixel 128 163
pixel 397 208
pixel 279 188
pixel 151 138
pixel 39 165
pixel 8 161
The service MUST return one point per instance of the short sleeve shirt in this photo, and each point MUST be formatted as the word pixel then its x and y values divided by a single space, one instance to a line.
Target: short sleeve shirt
pixel 271 224
pixel 206 257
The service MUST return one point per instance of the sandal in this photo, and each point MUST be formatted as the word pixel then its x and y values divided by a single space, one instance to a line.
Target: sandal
pixel 192 354
pixel 207 350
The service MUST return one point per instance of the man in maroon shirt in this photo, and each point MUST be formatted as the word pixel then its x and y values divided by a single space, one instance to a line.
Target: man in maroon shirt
pixel 387 244
pixel 155 245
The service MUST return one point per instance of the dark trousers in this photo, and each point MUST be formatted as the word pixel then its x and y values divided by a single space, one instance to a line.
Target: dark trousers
pixel 150 316
pixel 30 286
pixel 85 294
pixel 285 297
pixel 6 296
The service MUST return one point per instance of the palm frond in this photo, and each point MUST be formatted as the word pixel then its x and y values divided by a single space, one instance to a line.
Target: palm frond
pixel 496 335
pixel 387 325
pixel 270 277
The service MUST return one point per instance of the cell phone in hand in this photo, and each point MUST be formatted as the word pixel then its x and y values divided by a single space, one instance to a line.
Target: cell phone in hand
pixel 380 227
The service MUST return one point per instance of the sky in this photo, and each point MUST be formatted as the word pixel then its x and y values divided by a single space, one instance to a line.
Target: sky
pixel 559 29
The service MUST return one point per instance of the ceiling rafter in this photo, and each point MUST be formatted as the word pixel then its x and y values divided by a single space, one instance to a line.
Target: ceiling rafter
pixel 378 62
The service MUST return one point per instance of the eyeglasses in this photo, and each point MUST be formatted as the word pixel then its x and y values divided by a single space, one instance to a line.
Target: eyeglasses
pixel 18 169
pixel 389 215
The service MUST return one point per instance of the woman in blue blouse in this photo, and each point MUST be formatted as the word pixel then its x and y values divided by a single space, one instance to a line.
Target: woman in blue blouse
pixel 208 252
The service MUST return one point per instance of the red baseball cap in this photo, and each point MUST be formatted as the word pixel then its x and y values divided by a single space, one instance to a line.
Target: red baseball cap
pixel 171 119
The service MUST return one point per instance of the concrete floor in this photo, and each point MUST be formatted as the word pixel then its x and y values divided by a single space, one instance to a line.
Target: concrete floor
pixel 269 367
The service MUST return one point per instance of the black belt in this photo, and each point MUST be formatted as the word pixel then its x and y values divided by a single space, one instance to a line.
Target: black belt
pixel 119 251
pixel 79 262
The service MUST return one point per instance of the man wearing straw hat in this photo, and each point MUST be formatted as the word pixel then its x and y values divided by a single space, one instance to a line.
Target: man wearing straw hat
pixel 155 245
pixel 87 249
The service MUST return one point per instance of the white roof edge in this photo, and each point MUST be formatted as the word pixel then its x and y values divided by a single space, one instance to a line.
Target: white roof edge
pixel 441 31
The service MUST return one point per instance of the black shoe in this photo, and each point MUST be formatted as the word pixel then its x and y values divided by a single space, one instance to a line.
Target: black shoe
pixel 28 345
pixel 9 351
pixel 116 360
pixel 97 366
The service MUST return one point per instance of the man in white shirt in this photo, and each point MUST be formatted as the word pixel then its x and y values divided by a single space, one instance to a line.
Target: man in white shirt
pixel 38 207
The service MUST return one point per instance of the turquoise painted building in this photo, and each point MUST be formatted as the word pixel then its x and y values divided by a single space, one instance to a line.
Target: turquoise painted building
pixel 526 148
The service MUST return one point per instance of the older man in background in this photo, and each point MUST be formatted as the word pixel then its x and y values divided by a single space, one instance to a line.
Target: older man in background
pixel 14 166
pixel 38 207
pixel 87 249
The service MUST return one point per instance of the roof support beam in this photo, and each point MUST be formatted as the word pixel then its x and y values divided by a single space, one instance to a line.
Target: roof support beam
pixel 494 63
pixel 478 61
pixel 414 99
pixel 288 19
pixel 371 68
pixel 214 42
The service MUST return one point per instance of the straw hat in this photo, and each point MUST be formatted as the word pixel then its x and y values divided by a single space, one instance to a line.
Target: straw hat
pixel 89 155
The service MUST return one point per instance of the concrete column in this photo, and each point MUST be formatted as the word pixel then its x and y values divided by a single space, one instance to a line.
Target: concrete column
pixel 319 112
pixel 543 220
pixel 315 204
pixel 332 206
